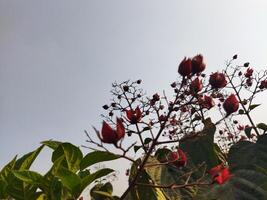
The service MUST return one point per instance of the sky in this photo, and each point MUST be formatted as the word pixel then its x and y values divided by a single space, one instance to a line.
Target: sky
pixel 59 58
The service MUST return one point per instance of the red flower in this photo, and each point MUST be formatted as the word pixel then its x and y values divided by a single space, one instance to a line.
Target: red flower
pixel 196 86
pixel 111 136
pixel 231 104
pixel 215 170
pixel 197 64
pixel 217 80
pixel 220 174
pixel 263 84
pixel 134 115
pixel 248 73
pixel 81 198
pixel 206 102
pixel 178 158
pixel 185 67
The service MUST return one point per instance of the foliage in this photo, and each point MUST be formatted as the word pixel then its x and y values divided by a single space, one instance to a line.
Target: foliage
pixel 66 179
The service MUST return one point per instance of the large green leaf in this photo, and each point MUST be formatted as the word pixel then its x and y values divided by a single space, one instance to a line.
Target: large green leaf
pixel 71 181
pixel 169 174
pixel 30 177
pixel 253 154
pixel 140 192
pixel 72 154
pixel 52 144
pixel 26 161
pixel 96 157
pixel 202 148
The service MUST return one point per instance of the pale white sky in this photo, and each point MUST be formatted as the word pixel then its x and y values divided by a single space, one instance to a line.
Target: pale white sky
pixel 59 58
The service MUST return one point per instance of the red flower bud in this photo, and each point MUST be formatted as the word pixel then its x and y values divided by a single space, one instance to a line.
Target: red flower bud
pixel 206 102
pixel 231 104
pixel 111 136
pixel 196 86
pixel 185 67
pixel 263 84
pixel 248 73
pixel 217 80
pixel 178 158
pixel 134 116
pixel 220 174
pixel 197 64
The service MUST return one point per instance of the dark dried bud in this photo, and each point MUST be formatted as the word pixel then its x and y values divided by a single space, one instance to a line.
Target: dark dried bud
pixel 113 105
pixel 235 57
pixel 246 64
pixel 105 107
pixel 173 85
pixel 156 97
pixel 126 88
pixel 139 81
pixel 110 114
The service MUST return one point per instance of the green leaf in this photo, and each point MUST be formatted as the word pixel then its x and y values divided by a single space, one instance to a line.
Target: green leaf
pixel 241 111
pixel 142 192
pixel 87 180
pixel 51 144
pixel 99 191
pixel 162 154
pixel 3 187
pixel 253 106
pixel 30 177
pixel 7 169
pixel 96 157
pixel 201 148
pixel 26 161
pixel 262 126
pixel 71 181
pixel 136 148
pixel 72 154
pixel 248 131
pixel 147 140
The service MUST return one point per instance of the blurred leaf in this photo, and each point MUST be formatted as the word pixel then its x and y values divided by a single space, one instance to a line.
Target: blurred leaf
pixel 241 111
pixel 253 106
pixel 262 126
pixel 248 131
pixel 136 148
pixel 147 140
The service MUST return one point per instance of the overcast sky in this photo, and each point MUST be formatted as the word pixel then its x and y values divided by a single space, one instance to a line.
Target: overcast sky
pixel 59 58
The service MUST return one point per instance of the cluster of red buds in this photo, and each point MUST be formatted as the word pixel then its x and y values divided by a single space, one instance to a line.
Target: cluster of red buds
pixel 195 95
